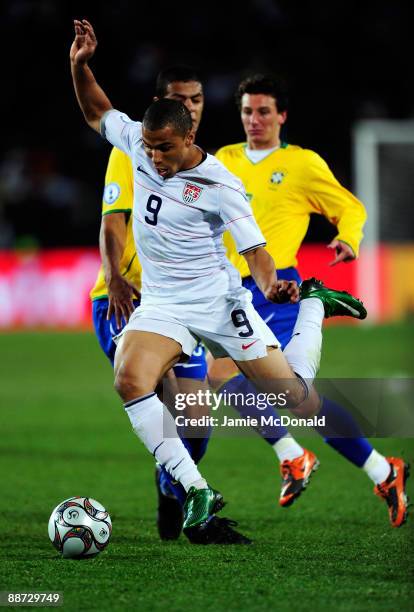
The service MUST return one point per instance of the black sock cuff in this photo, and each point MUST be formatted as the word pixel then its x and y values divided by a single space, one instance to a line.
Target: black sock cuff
pixel 304 385
pixel 138 399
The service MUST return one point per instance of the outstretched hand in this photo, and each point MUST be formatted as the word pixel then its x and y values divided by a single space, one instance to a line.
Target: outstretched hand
pixel 282 291
pixel 343 252
pixel 84 45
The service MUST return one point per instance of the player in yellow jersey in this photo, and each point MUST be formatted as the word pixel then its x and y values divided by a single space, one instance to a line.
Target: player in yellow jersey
pixel 115 295
pixel 286 184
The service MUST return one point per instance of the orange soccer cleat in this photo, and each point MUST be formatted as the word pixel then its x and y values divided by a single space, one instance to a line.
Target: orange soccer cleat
pixel 393 492
pixel 295 476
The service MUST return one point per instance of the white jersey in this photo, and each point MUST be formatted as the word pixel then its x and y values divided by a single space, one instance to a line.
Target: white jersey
pixel 179 222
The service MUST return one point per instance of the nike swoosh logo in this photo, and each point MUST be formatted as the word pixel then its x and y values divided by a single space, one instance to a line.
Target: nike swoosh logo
pixel 246 346
pixel 352 310
pixel 153 179
pixel 141 169
pixel 188 365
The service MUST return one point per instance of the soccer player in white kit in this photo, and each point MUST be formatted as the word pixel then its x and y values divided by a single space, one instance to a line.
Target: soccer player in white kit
pixel 183 202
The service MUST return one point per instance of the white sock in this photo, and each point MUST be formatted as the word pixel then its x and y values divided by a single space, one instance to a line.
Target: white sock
pixel 377 467
pixel 287 448
pixel 199 484
pixel 303 351
pixel 156 428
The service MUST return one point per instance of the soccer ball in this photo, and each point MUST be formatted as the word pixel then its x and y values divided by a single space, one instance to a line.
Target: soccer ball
pixel 79 527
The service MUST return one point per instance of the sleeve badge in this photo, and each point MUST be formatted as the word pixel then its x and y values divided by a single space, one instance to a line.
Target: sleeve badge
pixel 111 193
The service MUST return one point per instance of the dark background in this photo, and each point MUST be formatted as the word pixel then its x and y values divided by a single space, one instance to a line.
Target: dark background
pixel 343 60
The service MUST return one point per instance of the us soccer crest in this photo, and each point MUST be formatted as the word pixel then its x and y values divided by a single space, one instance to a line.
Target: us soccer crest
pixel 277 177
pixel 191 193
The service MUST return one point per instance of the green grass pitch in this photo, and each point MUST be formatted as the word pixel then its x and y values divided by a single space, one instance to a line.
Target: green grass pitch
pixel 64 433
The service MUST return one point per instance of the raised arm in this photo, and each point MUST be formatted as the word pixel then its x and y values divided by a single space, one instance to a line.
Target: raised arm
pixel 92 99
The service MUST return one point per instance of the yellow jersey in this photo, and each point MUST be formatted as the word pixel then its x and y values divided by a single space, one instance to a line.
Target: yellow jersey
pixel 118 197
pixel 284 188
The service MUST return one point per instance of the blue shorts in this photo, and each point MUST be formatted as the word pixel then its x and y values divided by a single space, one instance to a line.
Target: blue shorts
pixel 281 318
pixel 196 367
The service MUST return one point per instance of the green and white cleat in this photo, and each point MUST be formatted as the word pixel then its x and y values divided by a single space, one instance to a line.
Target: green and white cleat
pixel 199 507
pixel 335 303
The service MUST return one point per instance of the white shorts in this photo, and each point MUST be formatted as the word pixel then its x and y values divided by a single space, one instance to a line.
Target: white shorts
pixel 228 325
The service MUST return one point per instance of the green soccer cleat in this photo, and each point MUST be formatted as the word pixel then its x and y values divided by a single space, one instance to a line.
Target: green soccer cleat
pixel 199 507
pixel 335 303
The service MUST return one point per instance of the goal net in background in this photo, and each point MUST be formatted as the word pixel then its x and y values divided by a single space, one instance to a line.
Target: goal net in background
pixel 383 157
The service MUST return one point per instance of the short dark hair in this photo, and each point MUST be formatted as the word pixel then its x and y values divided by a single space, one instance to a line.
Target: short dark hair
pixel 165 112
pixel 264 84
pixel 178 72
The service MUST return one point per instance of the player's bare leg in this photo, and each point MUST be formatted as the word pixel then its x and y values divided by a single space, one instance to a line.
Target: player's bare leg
pixel 221 369
pixel 141 359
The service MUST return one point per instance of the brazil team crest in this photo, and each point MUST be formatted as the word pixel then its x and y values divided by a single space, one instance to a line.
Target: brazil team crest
pixel 277 176
pixel 191 193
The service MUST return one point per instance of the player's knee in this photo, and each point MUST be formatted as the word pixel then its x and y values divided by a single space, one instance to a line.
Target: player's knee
pixel 130 385
pixel 308 406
